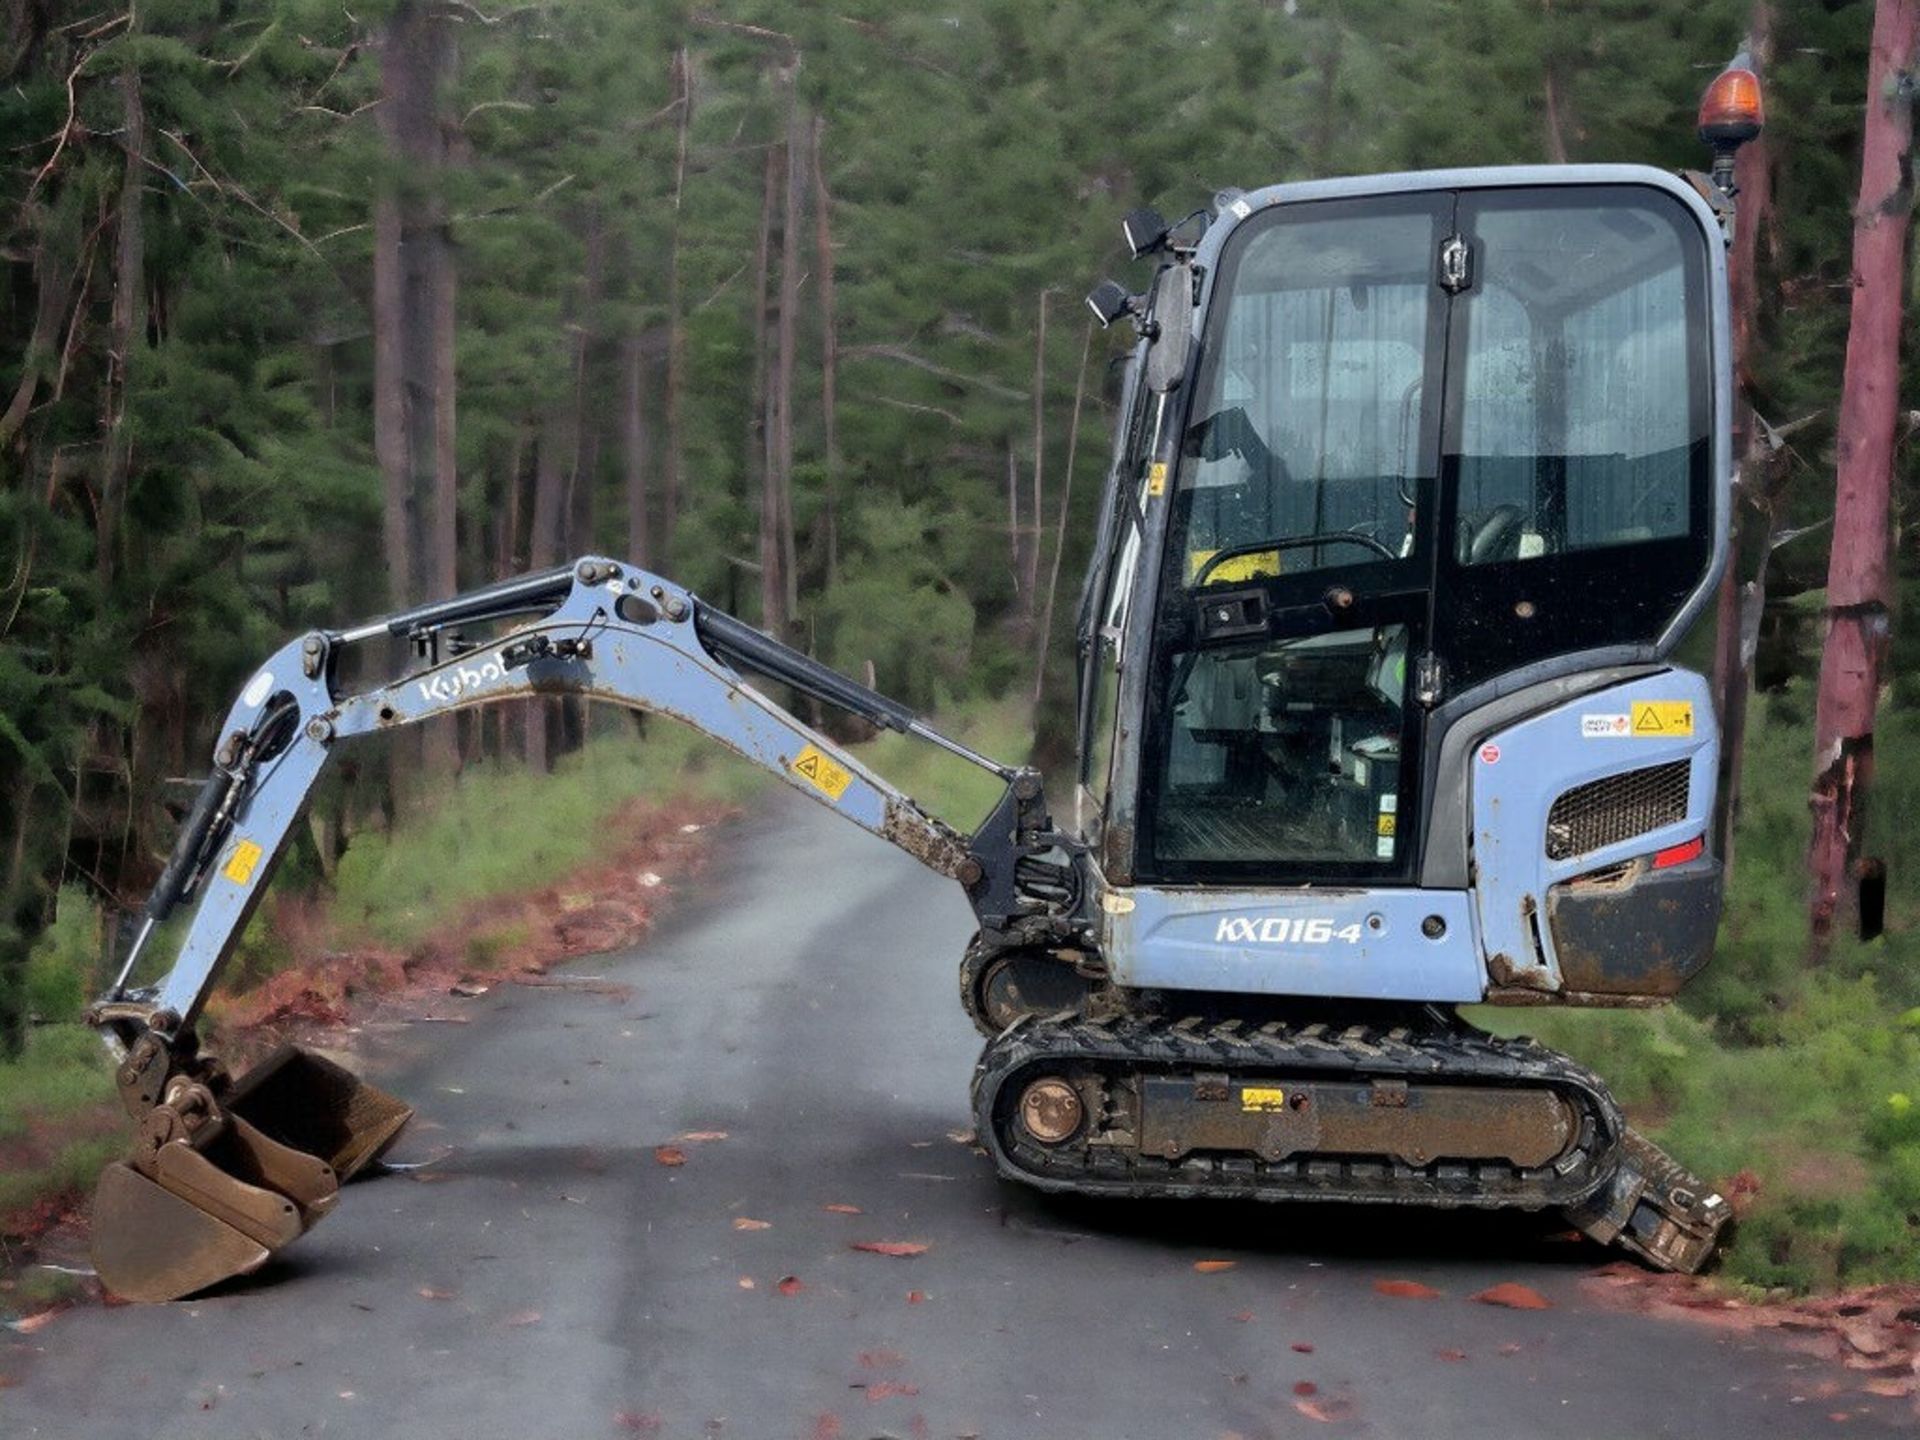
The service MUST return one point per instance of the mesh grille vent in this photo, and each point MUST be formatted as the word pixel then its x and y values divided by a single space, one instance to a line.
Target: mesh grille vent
pixel 1604 812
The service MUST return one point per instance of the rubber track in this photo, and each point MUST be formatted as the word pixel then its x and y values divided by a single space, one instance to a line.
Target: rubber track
pixel 1247 1051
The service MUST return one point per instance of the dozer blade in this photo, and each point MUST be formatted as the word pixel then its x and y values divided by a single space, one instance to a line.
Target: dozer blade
pixel 150 1244
pixel 304 1102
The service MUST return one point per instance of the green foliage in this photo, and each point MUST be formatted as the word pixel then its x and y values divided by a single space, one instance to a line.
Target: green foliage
pixel 946 786
pixel 502 830
pixel 63 1069
pixel 60 971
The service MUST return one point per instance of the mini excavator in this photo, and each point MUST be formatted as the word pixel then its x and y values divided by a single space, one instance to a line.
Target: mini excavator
pixel 1418 481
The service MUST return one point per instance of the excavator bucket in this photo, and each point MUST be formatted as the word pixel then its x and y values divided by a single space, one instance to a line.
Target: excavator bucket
pixel 306 1102
pixel 216 1183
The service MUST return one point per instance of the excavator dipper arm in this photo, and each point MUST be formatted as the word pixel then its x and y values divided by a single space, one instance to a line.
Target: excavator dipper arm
pixel 223 1172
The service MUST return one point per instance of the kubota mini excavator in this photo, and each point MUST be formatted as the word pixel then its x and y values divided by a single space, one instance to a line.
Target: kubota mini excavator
pixel 1418 482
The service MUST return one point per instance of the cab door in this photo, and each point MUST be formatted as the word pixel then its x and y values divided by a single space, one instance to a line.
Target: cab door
pixel 1292 647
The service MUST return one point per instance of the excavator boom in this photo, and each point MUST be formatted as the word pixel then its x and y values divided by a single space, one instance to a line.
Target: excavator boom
pixel 223 1173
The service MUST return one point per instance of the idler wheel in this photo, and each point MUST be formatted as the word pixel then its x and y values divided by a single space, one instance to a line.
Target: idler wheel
pixel 1051 1110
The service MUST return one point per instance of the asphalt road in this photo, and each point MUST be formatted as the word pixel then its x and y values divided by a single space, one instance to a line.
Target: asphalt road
pixel 547 1276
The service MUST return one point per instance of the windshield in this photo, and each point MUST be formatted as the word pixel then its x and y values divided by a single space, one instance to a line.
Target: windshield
pixel 1309 422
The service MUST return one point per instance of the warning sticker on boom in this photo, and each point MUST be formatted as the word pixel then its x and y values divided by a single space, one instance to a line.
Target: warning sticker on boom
pixel 817 770
pixel 239 866
pixel 1663 717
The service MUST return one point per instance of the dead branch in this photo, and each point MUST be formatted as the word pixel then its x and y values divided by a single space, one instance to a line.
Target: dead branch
pixel 740 27
pixel 66 129
pixel 903 356
pixel 944 414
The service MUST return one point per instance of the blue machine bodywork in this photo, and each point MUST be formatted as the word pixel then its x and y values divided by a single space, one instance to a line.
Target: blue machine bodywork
pixel 1376 943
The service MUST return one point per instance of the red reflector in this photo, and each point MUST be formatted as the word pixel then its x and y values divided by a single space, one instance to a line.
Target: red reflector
pixel 1680 854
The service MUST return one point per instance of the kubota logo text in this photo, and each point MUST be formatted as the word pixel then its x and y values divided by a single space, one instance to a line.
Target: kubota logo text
pixel 450 685
pixel 1282 930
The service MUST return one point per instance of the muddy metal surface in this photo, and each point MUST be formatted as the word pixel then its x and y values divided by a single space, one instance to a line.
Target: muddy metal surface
pixel 550 1276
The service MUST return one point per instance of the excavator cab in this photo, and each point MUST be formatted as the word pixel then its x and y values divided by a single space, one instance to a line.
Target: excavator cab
pixel 1450 457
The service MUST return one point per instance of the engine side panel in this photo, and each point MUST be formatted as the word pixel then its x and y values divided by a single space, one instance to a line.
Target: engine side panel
pixel 1601 781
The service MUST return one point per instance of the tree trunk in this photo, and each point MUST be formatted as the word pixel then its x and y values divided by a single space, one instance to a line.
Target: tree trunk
pixel 829 346
pixel 556 445
pixel 791 259
pixel 440 739
pixel 1858 580
pixel 676 323
pixel 1030 571
pixel 126 325
pixel 1732 664
pixel 1045 634
pixel 761 457
pixel 1553 91
pixel 412 440
pixel 634 441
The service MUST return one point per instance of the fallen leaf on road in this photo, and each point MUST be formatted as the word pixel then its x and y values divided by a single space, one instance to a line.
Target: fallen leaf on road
pixel 884 1389
pixel 1325 1411
pixel 890 1247
pixel 1406 1289
pixel 743 1223
pixel 961 1137
pixel 1303 1347
pixel 700 1137
pixel 428 1292
pixel 524 1317
pixel 1306 1387
pixel 7 1382
pixel 1514 1297
pixel 826 1427
pixel 641 1423
pixel 467 989
pixel 29 1324
pixel 790 1285
pixel 881 1359
pixel 916 1297
pixel 1244 1316
pixel 746 1282
pixel 669 1155
pixel 1453 1355
pixel 843 1209
pixel 1510 1348
pixel 1890 1389
pixel 1214 1267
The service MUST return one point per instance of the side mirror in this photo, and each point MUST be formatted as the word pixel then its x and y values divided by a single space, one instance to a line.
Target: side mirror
pixel 1146 231
pixel 1109 301
pixel 1171 326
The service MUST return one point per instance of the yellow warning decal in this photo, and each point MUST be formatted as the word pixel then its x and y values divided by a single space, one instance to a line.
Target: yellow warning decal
pixel 817 770
pixel 1240 567
pixel 240 864
pixel 1157 478
pixel 1663 717
pixel 1257 1098
pixel 1386 823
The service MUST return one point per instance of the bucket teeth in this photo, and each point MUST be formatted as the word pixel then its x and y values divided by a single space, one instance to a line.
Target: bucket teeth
pixel 221 1177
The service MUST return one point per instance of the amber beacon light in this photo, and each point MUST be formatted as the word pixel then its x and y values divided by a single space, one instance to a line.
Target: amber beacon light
pixel 1731 114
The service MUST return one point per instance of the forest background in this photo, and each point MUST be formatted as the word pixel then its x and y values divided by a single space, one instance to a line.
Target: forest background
pixel 307 312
